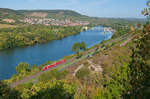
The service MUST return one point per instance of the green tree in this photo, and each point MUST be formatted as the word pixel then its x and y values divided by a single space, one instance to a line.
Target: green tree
pixel 50 90
pixel 76 47
pixel 22 68
pixel 32 34
pixel 83 46
pixel 139 67
pixel 8 93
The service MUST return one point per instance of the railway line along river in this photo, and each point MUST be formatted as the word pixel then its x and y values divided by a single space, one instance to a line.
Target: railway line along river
pixel 41 53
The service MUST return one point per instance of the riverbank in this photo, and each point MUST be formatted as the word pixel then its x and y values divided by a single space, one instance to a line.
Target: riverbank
pixel 72 60
pixel 34 34
pixel 41 53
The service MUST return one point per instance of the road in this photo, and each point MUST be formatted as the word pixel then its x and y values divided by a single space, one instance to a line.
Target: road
pixel 74 73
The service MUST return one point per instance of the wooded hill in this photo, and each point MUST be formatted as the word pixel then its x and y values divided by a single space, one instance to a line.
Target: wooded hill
pixel 58 14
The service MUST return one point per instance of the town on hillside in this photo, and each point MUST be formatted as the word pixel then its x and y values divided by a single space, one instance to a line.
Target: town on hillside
pixel 57 22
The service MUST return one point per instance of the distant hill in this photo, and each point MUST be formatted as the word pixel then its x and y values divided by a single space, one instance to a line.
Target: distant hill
pixel 9 13
pixel 56 14
pixel 59 14
pixel 50 13
pixel 137 19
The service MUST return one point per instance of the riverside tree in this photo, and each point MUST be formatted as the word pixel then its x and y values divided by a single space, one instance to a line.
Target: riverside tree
pixel 22 68
pixel 77 47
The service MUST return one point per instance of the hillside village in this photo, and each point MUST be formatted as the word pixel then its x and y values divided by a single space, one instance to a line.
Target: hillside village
pixel 49 21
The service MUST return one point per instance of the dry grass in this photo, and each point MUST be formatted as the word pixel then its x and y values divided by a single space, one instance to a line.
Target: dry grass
pixel 114 57
pixel 109 58
pixel 39 14
pixel 7 26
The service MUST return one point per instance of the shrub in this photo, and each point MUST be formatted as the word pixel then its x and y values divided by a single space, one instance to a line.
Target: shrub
pixel 83 73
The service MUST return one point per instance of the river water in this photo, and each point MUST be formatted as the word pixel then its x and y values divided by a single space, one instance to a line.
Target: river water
pixel 41 53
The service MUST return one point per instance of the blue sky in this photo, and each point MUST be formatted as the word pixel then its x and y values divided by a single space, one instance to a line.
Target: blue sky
pixel 98 8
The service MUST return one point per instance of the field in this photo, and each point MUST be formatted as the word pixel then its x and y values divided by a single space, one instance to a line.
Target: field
pixel 7 26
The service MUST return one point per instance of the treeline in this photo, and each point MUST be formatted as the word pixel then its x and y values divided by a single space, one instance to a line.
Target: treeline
pixel 124 27
pixel 120 29
pixel 32 34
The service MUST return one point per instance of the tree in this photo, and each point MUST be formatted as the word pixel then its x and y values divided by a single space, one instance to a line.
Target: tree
pixel 50 90
pixel 22 68
pixel 139 74
pixel 7 93
pixel 32 34
pixel 83 46
pixel 78 46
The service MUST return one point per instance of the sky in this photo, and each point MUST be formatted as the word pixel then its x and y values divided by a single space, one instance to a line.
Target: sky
pixel 96 8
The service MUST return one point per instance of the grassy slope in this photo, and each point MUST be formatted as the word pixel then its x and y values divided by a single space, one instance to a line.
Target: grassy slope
pixel 7 26
pixel 110 57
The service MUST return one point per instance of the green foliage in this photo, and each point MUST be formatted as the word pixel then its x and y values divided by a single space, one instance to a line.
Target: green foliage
pixel 117 83
pixel 83 46
pixel 83 73
pixel 111 84
pixel 50 90
pixel 32 34
pixel 139 66
pixel 7 93
pixel 10 14
pixel 34 68
pixel 51 75
pixel 21 87
pixel 78 46
pixel 146 11
pixel 22 68
pixel 120 29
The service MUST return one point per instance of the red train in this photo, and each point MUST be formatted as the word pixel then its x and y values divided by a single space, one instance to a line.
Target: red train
pixel 53 65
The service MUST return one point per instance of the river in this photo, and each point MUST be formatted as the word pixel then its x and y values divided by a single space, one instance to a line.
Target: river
pixel 41 53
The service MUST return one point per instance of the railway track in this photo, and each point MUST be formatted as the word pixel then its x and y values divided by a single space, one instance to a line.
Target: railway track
pixel 72 62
